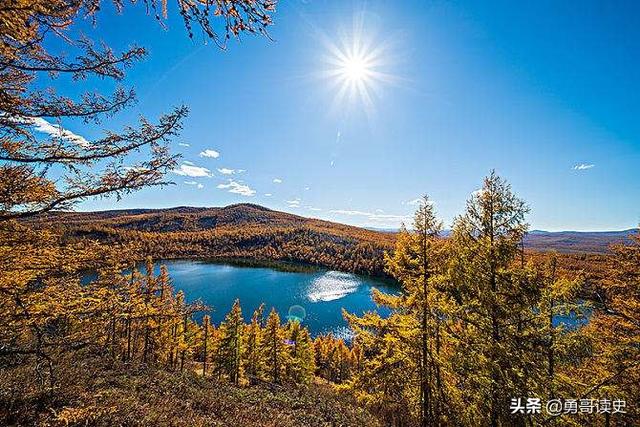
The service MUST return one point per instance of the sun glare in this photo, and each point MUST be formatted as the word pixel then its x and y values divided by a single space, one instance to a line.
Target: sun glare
pixel 356 67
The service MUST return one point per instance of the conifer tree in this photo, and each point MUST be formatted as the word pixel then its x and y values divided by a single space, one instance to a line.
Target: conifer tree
pixel 229 353
pixel 491 294
pixel 301 357
pixel 274 348
pixel 253 356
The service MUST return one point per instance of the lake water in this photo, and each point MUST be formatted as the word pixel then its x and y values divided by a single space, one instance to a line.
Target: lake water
pixel 317 296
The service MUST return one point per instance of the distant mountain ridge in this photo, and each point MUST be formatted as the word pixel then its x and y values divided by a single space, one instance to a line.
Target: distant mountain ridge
pixel 577 241
pixel 196 219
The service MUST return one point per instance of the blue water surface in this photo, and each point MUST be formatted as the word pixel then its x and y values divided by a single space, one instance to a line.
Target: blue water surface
pixel 315 297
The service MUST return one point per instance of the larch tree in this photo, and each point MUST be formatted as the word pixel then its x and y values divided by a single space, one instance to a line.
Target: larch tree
pixel 412 341
pixel 254 363
pixel 301 357
pixel 230 345
pixel 46 312
pixel 274 348
pixel 614 328
pixel 492 294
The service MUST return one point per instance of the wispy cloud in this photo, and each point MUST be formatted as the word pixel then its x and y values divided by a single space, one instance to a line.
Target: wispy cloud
pixel 189 169
pixel 583 166
pixel 57 131
pixel 268 194
pixel 414 202
pixel 418 202
pixel 197 184
pixel 293 203
pixel 183 144
pixel 277 181
pixel 227 171
pixel 237 188
pixel 376 218
pixel 311 208
pixel 350 213
pixel 209 153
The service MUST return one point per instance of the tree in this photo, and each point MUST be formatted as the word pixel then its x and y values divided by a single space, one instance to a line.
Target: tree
pixel 33 166
pixel 273 348
pixel 412 345
pixel 301 358
pixel 230 349
pixel 253 357
pixel 614 328
pixel 491 294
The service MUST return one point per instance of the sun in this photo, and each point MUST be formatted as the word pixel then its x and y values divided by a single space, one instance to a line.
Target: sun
pixel 356 67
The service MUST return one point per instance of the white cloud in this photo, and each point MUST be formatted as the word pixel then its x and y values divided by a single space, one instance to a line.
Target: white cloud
pixel 311 208
pixel 307 188
pixel 414 202
pixel 376 218
pixel 350 213
pixel 56 131
pixel 227 171
pixel 583 166
pixel 237 188
pixel 186 162
pixel 197 184
pixel 188 169
pixel 183 144
pixel 277 181
pixel 294 203
pixel 268 194
pixel 209 153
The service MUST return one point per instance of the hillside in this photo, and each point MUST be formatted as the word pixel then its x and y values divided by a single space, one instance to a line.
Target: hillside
pixel 576 241
pixel 236 231
pixel 221 221
pixel 143 396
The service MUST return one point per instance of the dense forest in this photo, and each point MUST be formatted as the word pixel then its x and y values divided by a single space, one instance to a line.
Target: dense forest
pixel 248 231
pixel 471 338
pixel 237 231
pixel 471 335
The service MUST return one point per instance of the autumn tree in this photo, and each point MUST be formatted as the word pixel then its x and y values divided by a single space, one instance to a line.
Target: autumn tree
pixel 301 357
pixel 411 344
pixel 492 294
pixel 48 315
pixel 614 371
pixel 38 174
pixel 230 345
pixel 273 348
pixel 254 363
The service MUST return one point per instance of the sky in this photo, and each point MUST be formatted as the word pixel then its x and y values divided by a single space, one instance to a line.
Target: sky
pixel 355 109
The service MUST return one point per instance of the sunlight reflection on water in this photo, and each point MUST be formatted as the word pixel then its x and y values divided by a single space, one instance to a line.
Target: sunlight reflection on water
pixel 331 286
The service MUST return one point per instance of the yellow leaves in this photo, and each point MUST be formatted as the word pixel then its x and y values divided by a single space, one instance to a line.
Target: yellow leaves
pixel 82 416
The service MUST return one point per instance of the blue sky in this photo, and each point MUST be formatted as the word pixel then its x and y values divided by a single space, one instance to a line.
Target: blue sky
pixel 545 92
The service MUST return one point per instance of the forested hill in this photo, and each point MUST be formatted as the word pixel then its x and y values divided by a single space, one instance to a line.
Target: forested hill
pixel 577 241
pixel 186 219
pixel 235 231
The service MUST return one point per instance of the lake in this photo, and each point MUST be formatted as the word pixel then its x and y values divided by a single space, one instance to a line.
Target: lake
pixel 317 297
